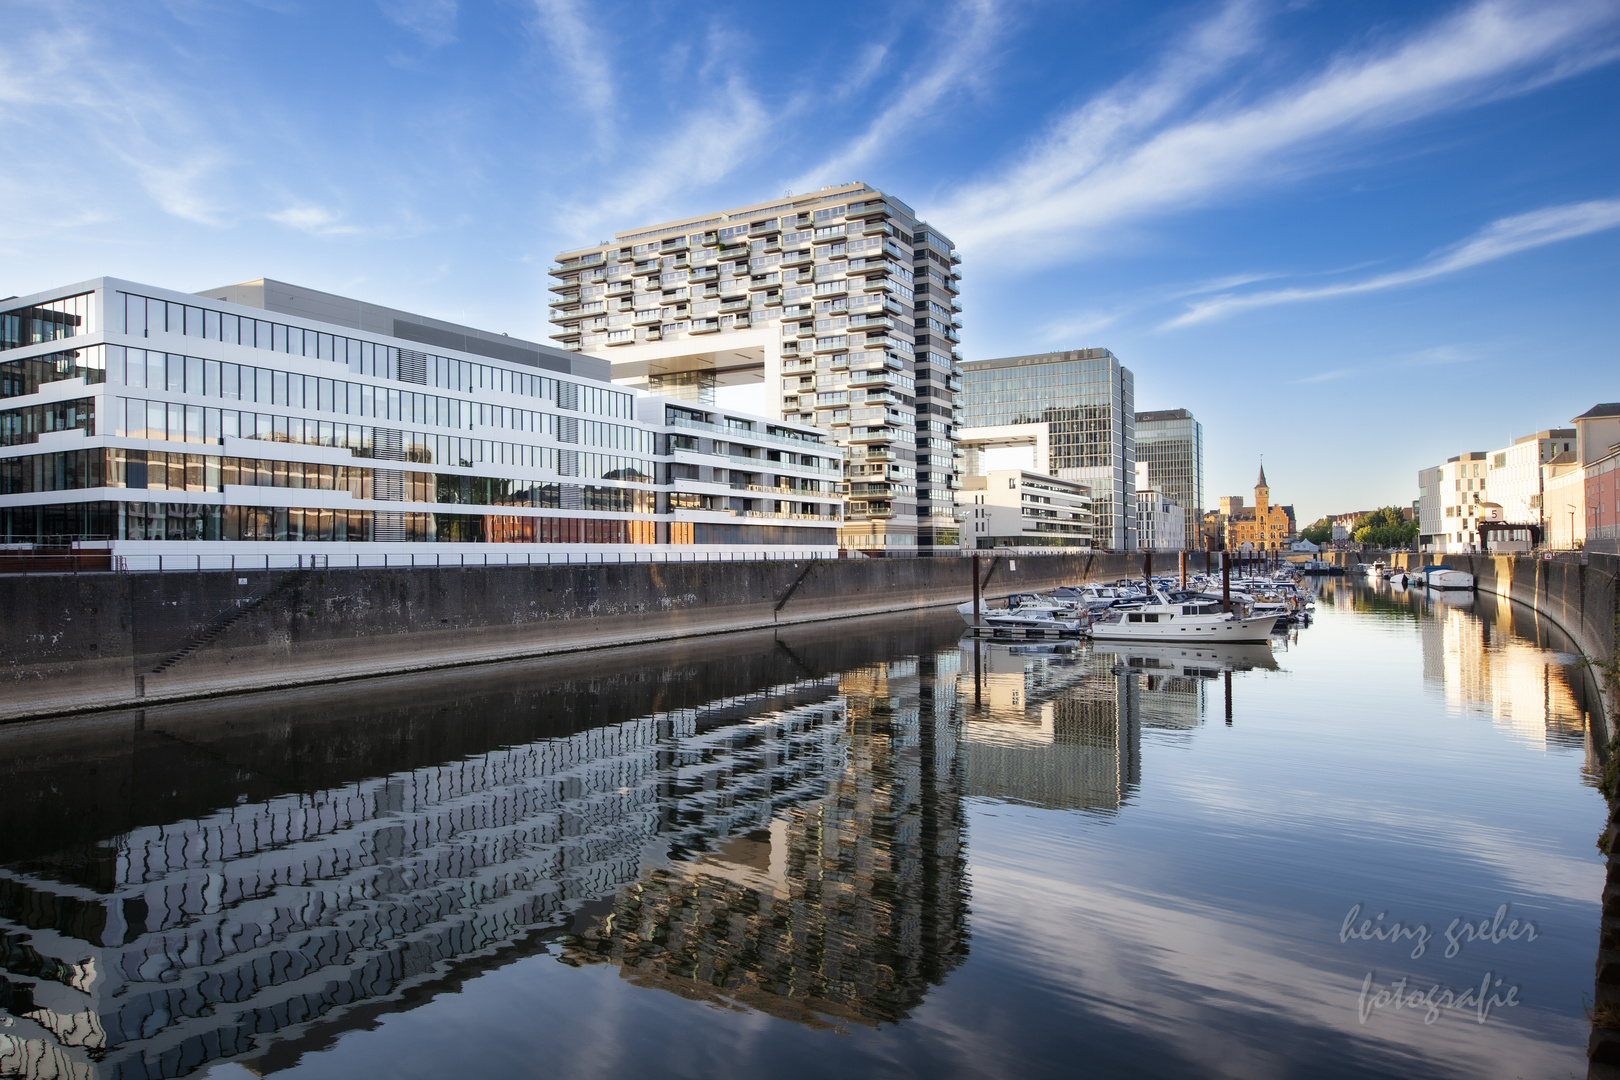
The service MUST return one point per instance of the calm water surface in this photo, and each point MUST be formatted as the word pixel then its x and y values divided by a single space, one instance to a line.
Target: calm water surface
pixel 854 849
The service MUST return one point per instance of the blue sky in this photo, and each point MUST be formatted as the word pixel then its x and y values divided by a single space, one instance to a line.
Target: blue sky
pixel 1355 238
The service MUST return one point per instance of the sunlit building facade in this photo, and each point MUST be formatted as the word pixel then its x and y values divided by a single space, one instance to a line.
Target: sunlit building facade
pixel 840 301
pixel 271 419
pixel 1069 414
pixel 1170 442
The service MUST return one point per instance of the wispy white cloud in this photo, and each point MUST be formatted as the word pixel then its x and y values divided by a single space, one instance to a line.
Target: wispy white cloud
pixel 576 47
pixel 1498 240
pixel 971 31
pixel 433 22
pixel 1130 153
pixel 315 220
pixel 711 142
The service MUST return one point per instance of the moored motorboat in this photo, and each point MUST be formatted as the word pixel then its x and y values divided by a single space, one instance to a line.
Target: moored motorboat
pixel 1168 620
pixel 1446 577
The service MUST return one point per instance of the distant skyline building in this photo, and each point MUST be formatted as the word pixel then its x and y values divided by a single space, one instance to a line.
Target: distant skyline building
pixel 1071 414
pixel 1170 442
pixel 840 301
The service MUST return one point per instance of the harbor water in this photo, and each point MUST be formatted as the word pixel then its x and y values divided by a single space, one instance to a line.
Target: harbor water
pixel 874 847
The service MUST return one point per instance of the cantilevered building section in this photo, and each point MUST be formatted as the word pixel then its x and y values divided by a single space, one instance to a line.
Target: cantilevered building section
pixel 1171 443
pixel 270 420
pixel 1069 414
pixel 840 302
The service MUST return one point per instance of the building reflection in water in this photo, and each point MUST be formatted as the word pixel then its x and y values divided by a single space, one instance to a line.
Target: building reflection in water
pixel 845 908
pixel 1059 725
pixel 1491 656
pixel 800 841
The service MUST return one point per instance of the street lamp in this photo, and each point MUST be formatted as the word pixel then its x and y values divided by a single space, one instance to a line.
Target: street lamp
pixel 1571 508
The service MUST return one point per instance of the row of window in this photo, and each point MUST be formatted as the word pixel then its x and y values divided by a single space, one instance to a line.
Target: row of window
pixel 19 378
pixel 150 369
pixel 142 317
pixel 190 521
pixel 166 421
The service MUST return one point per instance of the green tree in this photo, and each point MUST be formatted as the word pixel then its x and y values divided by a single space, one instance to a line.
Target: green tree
pixel 1318 533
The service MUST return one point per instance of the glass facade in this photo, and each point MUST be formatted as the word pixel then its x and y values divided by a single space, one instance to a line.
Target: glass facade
pixel 1086 401
pixel 1172 444
pixel 372 442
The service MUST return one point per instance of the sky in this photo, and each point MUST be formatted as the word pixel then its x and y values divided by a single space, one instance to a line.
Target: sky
pixel 1353 239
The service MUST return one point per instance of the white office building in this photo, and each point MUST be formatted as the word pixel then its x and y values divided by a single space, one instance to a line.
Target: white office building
pixel 268 419
pixel 1452 502
pixel 1019 509
pixel 1161 522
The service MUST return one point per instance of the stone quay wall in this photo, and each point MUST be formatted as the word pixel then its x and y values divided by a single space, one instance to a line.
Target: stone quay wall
pixel 76 642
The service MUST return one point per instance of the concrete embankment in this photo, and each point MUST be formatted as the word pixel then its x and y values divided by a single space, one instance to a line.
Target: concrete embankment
pixel 70 643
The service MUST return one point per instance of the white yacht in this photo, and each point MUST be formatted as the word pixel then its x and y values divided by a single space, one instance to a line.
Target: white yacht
pixel 1194 620
pixel 1444 577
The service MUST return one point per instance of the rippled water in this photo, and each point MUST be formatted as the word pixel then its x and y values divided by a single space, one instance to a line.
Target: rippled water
pixel 852 849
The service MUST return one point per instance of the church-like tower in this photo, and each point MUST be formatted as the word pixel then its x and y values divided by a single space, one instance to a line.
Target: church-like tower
pixel 1262 495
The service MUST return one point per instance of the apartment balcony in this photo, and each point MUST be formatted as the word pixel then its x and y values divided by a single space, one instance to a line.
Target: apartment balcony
pixel 669 247
pixel 652 333
pixel 806 330
pixel 620 288
pixel 859 322
pixel 741 322
pixel 877 283
pixel 730 290
pixel 711 239
pixel 734 253
pixel 956 305
pixel 565 288
pixel 647 318
pixel 571 334
pixel 872 435
pixel 705 326
pixel 837 287
pixel 677 297
pixel 643 269
pixel 705 273
pixel 798 258
pixel 764 230
pixel 877 228
pixel 766 281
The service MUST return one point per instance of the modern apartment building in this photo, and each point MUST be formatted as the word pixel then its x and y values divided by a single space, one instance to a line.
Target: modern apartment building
pixel 1014 508
pixel 1451 502
pixel 840 301
pixel 1161 522
pixel 1514 479
pixel 265 418
pixel 1171 444
pixel 1070 414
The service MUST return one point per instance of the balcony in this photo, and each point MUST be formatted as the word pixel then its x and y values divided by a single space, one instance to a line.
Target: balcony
pixel 669 247
pixel 647 318
pixel 765 281
pixel 643 269
pixel 730 290
pixel 705 326
pixel 676 297
pixel 620 288
pixel 571 334
pixel 872 435
pixel 829 289
pixel 758 231
pixel 798 258
pixel 877 228
pixel 704 273
pixel 877 283
pixel 741 322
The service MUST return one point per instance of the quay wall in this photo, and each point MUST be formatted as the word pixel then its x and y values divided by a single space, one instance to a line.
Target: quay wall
pixel 71 643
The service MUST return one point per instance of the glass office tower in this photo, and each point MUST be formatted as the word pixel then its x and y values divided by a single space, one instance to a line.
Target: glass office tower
pixel 1077 409
pixel 1171 442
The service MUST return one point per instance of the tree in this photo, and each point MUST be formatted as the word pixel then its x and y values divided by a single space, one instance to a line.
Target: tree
pixel 1319 533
